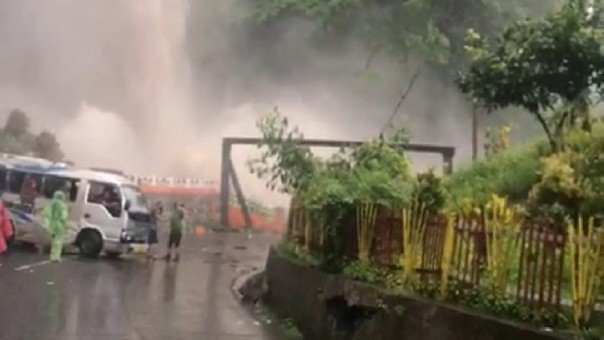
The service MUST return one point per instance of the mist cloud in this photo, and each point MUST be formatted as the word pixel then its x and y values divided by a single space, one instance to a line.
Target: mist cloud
pixel 152 86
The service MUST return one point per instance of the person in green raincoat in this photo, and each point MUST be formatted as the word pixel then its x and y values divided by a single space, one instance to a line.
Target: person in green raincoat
pixel 55 220
pixel 178 227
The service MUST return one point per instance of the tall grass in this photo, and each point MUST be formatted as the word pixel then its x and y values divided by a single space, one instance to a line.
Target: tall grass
pixel 510 174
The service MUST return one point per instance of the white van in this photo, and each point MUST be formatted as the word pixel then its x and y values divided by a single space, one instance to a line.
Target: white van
pixel 107 212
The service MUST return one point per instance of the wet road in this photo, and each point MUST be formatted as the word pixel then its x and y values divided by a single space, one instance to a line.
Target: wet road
pixel 131 300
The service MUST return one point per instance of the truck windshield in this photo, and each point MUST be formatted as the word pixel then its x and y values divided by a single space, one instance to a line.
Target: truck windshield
pixel 137 200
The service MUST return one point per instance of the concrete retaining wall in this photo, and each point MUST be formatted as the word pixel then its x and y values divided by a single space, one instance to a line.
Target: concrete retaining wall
pixel 330 307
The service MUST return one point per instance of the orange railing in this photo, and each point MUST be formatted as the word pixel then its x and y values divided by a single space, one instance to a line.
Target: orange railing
pixel 274 222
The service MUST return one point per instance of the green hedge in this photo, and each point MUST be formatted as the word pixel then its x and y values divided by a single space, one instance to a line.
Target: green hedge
pixel 511 174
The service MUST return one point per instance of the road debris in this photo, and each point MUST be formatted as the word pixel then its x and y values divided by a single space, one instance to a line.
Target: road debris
pixel 29 266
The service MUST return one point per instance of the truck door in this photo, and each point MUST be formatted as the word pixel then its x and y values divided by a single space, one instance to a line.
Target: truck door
pixel 103 209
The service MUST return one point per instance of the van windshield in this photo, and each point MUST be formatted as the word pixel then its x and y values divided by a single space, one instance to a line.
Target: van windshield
pixel 138 201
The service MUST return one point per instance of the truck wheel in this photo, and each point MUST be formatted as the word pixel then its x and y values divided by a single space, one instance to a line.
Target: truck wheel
pixel 90 243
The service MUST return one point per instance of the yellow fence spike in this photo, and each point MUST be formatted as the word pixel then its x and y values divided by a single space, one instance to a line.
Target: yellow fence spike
pixel 502 226
pixel 366 214
pixel 585 245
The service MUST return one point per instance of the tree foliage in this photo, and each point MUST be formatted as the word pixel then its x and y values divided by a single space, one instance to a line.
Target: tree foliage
pixel 16 138
pixel 372 172
pixel 46 146
pixel 286 165
pixel 553 185
pixel 429 29
pixel 552 67
pixel 17 124
pixel 511 174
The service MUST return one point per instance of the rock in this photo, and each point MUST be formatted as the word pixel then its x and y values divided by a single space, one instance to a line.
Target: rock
pixel 254 288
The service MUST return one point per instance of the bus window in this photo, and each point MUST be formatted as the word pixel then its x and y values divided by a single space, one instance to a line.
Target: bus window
pixel 54 183
pixel 107 195
pixel 31 188
pixel 15 181
pixel 37 179
pixel 3 174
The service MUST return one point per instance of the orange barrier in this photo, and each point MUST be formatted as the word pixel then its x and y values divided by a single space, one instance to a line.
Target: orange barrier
pixel 236 219
pixel 149 189
pixel 274 224
pixel 200 230
pixel 278 225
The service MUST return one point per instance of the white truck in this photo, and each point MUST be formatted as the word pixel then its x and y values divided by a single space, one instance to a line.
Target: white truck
pixel 107 212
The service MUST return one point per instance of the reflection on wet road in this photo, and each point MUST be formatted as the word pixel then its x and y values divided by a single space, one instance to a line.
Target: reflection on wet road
pixel 129 299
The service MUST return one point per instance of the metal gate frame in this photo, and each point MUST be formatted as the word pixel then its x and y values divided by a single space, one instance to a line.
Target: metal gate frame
pixel 228 172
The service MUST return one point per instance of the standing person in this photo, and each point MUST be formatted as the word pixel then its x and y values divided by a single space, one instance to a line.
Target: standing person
pixel 55 219
pixel 111 200
pixel 29 191
pixel 6 228
pixel 185 216
pixel 177 228
pixel 156 213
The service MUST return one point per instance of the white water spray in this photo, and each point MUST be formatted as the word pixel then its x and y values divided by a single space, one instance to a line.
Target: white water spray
pixel 156 126
pixel 151 86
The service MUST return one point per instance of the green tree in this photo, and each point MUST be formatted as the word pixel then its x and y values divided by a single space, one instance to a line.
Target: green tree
pixel 16 138
pixel 552 67
pixel 431 30
pixel 14 145
pixel 46 146
pixel 374 171
pixel 284 163
pixel 17 123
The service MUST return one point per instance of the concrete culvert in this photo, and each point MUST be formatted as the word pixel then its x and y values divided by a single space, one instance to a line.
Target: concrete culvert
pixel 347 319
pixel 254 289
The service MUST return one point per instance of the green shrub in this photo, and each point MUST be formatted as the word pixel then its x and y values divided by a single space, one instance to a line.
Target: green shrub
pixel 557 194
pixel 511 174
pixel 430 191
pixel 514 174
pixel 361 271
pixel 372 172
pixel 589 167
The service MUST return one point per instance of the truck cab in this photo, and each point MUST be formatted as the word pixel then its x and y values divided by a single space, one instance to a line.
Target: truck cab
pixel 107 212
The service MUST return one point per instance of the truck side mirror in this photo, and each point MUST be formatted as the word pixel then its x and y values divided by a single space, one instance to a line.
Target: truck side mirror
pixel 127 205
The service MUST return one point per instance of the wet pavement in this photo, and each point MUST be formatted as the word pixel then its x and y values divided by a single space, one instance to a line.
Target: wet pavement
pixel 128 299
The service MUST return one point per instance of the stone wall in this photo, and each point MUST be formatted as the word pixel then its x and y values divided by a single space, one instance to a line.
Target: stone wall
pixel 330 307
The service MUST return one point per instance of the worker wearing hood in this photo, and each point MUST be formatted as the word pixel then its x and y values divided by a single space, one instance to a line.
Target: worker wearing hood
pixel 6 227
pixel 55 220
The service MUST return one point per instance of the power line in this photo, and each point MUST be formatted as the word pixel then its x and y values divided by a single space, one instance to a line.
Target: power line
pixel 400 101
